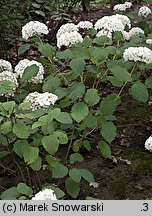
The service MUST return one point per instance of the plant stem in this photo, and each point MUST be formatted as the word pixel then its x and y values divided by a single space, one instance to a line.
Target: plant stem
pixel 20 170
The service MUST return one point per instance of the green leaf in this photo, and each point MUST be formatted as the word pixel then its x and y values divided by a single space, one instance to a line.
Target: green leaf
pixel 61 92
pixel 72 187
pixel 99 54
pixel 61 136
pixel 75 174
pixel 59 171
pixel 6 127
pixel 64 118
pixel 10 194
pixel 31 155
pixel 92 97
pixel 52 161
pixel 3 140
pixel 120 73
pixel 77 90
pixel 148 82
pixel 104 149
pixel 50 143
pixel 6 86
pixel 9 106
pixel 21 130
pixel 79 111
pixel 108 131
pixel 38 12
pixel 75 157
pixel 46 49
pixel 3 154
pixel 78 65
pixel 36 165
pixel 30 71
pixel 21 146
pixel 51 84
pixel 109 104
pixel 139 91
pixel 118 36
pixel 24 106
pixel 54 113
pixel 115 81
pixel 87 175
pixel 23 48
pixel 23 189
pixel 87 145
pixel 90 121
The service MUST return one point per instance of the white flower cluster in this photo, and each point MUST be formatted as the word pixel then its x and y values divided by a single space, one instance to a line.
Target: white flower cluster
pixel 68 27
pixel 5 66
pixel 34 28
pixel 149 41
pixel 104 32
pixel 133 32
pixel 122 7
pixel 148 144
pixel 110 24
pixel 69 38
pixel 144 11
pixel 141 54
pixel 7 75
pixel 85 25
pixel 21 66
pixel 46 194
pixel 41 100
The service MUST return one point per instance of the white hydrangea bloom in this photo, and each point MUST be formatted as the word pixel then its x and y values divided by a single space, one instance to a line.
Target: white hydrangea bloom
pixel 68 39
pixel 46 194
pixel 113 23
pixel 7 75
pixel 124 19
pixel 126 35
pixel 148 144
pixel 20 67
pixel 122 7
pixel 119 7
pixel 34 28
pixel 135 31
pixel 128 4
pixel 141 54
pixel 144 11
pixel 149 41
pixel 68 27
pixel 104 33
pixel 41 100
pixel 5 66
pixel 85 25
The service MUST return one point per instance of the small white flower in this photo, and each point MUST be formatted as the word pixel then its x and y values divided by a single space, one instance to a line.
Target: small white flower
pixel 122 7
pixel 85 25
pixel 141 54
pixel 144 11
pixel 5 66
pixel 128 4
pixel 126 35
pixel 124 19
pixel 21 66
pixel 68 27
pixel 135 31
pixel 148 144
pixel 34 28
pixel 46 194
pixel 104 33
pixel 41 100
pixel 149 41
pixel 68 39
pixel 7 75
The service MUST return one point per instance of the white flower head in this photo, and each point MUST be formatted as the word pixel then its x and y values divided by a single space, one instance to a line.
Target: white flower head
pixel 7 75
pixel 148 144
pixel 46 194
pixel 144 11
pixel 85 25
pixel 104 33
pixel 135 31
pixel 110 23
pixel 21 66
pixel 68 39
pixel 128 4
pixel 68 27
pixel 34 28
pixel 141 54
pixel 126 35
pixel 41 100
pixel 124 19
pixel 122 7
pixel 5 66
pixel 149 41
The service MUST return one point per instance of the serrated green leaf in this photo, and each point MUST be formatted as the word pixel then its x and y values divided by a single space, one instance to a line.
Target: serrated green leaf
pixel 61 136
pixel 21 130
pixel 79 111
pixel 23 48
pixel 92 97
pixel 36 165
pixel 75 174
pixel 64 118
pixel 139 91
pixel 78 65
pixel 120 73
pixel 77 90
pixel 108 131
pixel 30 71
pixel 50 143
pixel 59 171
pixel 10 194
pixel 23 188
pixel 75 157
pixel 46 49
pixel 31 155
